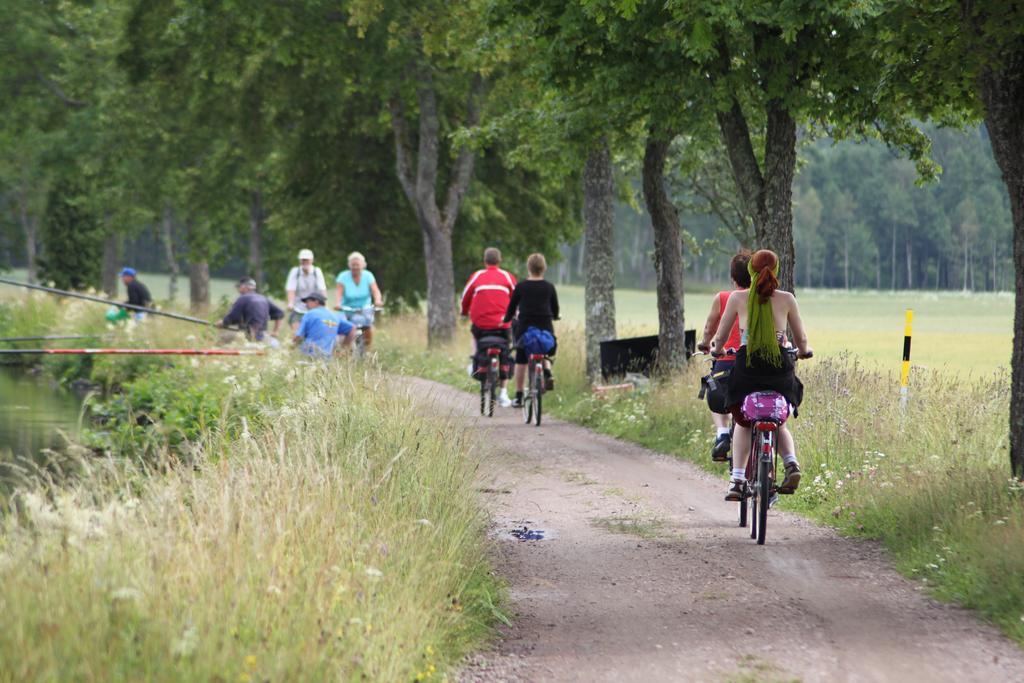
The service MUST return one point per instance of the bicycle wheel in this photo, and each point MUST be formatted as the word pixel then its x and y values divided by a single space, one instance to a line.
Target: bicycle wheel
pixel 483 398
pixel 528 401
pixel 743 512
pixel 752 484
pixel 764 494
pixel 538 391
pixel 492 392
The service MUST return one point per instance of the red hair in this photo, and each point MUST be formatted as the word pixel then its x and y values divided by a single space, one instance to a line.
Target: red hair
pixel 763 263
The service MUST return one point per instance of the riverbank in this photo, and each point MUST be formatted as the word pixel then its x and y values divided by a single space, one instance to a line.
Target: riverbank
pixel 252 518
pixel 932 483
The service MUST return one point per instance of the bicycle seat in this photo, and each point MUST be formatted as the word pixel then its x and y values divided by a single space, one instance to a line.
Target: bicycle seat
pixel 768 407
pixel 489 342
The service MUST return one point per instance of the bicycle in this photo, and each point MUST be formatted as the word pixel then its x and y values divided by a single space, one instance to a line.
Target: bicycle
pixel 766 411
pixel 535 387
pixel 715 388
pixel 362 318
pixel 490 377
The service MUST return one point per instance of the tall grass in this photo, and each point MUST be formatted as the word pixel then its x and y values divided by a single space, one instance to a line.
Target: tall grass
pixel 336 536
pixel 932 482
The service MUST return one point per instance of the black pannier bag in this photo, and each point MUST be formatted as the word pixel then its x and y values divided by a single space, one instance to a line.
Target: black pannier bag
pixel 482 359
pixel 715 387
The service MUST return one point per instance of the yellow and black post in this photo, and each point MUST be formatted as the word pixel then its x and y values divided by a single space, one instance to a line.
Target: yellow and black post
pixel 905 372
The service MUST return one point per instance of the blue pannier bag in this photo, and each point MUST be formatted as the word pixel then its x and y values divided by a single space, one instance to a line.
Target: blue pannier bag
pixel 536 341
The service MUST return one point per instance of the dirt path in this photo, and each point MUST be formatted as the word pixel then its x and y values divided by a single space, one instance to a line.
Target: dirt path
pixel 643 575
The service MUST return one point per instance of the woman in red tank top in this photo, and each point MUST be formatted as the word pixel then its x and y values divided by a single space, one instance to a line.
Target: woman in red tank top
pixel 741 281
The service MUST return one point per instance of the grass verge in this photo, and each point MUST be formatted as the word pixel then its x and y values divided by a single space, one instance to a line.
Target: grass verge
pixel 289 521
pixel 932 482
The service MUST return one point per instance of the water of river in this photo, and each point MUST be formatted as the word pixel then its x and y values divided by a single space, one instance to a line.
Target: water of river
pixel 34 413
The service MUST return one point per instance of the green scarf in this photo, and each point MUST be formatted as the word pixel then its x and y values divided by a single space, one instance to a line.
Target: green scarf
pixel 761 341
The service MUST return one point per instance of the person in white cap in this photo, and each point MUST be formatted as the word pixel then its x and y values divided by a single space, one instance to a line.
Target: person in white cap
pixel 303 280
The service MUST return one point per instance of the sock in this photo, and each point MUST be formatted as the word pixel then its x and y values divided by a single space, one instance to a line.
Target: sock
pixel 722 431
pixel 789 459
pixel 739 473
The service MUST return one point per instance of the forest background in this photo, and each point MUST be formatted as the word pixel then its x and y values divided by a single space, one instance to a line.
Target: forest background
pixel 860 141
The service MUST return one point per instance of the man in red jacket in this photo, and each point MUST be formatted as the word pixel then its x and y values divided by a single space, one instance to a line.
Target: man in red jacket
pixel 485 300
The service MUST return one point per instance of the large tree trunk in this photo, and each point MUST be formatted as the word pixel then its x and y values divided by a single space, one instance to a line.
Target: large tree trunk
pixel 167 237
pixel 199 286
pixel 111 258
pixel 257 217
pixel 599 254
pixel 1002 93
pixel 30 227
pixel 767 196
pixel 668 257
pixel 420 187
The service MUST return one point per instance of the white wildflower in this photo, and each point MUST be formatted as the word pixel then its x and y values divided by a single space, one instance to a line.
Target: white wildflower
pixel 374 573
pixel 126 594
pixel 186 644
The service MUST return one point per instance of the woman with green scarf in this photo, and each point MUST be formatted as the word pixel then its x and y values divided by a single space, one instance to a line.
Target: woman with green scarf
pixel 764 313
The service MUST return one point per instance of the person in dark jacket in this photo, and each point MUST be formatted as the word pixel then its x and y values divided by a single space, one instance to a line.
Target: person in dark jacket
pixel 534 303
pixel 138 293
pixel 251 311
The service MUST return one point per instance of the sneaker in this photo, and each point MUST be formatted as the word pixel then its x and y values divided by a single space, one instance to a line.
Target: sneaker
pixel 792 478
pixel 517 402
pixel 504 401
pixel 720 451
pixel 735 492
pixel 549 383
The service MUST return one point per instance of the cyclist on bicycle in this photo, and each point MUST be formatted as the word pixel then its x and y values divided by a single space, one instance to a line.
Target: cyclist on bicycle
pixel 534 303
pixel 357 288
pixel 741 281
pixel 302 280
pixel 761 363
pixel 485 299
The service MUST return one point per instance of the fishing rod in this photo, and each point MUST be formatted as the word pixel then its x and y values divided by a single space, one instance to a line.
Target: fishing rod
pixel 96 299
pixel 136 352
pixel 50 337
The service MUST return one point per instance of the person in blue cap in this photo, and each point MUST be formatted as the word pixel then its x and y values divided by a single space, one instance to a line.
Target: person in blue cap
pixel 138 294
pixel 321 328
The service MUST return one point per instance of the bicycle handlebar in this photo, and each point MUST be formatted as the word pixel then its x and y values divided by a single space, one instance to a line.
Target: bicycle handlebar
pixel 791 351
pixel 354 309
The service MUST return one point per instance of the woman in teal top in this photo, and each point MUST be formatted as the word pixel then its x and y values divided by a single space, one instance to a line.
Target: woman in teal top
pixel 357 289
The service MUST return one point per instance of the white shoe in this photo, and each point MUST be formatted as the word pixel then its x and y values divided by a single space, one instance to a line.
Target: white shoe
pixel 469 369
pixel 504 401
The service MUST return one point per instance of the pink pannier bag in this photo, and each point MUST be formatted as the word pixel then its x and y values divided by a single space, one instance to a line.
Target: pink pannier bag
pixel 765 405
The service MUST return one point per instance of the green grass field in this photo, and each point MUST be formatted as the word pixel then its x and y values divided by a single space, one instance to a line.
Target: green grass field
pixel 968 333
pixel 965 333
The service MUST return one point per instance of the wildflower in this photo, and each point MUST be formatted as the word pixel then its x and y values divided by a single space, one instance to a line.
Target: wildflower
pixel 186 644
pixel 931 565
pixel 250 662
pixel 424 522
pixel 999 522
pixel 126 594
pixel 373 572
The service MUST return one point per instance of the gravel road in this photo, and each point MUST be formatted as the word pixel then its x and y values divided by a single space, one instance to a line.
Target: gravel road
pixel 643 575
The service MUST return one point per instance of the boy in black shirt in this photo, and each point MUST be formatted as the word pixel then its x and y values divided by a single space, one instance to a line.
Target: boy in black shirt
pixel 536 302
